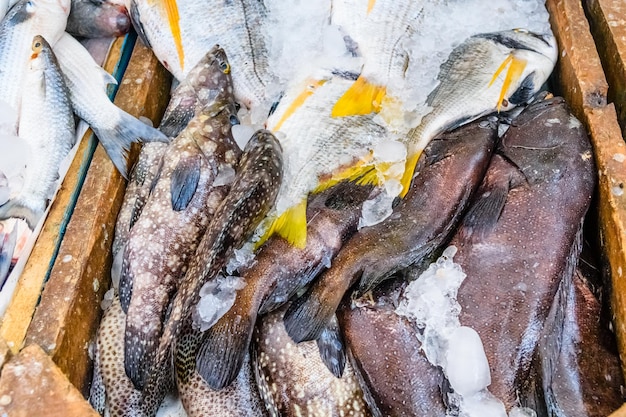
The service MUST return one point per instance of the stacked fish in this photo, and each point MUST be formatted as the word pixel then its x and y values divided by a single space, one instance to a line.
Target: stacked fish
pixel 47 77
pixel 231 263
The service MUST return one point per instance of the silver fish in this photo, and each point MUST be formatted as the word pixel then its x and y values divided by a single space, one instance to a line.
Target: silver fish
pixel 116 130
pixel 252 194
pixel 294 381
pixel 45 102
pixel 473 83
pixel 195 175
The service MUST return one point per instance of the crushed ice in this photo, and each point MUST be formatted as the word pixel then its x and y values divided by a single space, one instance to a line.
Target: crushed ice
pixel 217 296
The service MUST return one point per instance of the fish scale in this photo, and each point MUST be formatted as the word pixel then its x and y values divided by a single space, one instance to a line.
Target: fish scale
pixel 24 20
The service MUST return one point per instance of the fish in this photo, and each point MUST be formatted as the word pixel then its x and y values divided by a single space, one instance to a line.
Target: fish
pixel 8 243
pixel 251 195
pixel 45 102
pixel 278 272
pixel 522 235
pixel 293 379
pixel 452 168
pixel 320 151
pixel 387 357
pixel 97 19
pixel 379 28
pixel 116 130
pixel 25 20
pixel 240 399
pixel 195 175
pixel 180 41
pixel 473 82
pixel 567 382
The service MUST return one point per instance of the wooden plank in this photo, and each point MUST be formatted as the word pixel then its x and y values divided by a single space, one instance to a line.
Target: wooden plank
pixel 67 317
pixel 26 295
pixel 621 412
pixel 608 25
pixel 31 385
pixel 582 82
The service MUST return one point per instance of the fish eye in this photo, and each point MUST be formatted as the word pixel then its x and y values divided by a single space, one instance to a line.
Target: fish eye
pixel 224 67
pixel 233 120
pixel 520 30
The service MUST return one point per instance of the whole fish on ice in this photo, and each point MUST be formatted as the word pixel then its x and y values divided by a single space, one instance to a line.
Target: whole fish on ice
pixel 521 237
pixel 97 19
pixel 45 102
pixel 487 72
pixel 452 168
pixel 195 175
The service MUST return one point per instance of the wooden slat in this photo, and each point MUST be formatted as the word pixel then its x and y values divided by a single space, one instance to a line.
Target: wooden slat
pixel 608 25
pixel 583 84
pixel 67 317
pixel 26 295
pixel 31 385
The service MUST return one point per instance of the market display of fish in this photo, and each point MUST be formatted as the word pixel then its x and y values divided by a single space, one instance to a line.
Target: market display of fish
pixel 293 379
pixel 252 193
pixel 97 19
pixel 387 356
pixel 278 272
pixel 487 72
pixel 565 382
pixel 521 237
pixel 195 175
pixel 45 99
pixel 452 168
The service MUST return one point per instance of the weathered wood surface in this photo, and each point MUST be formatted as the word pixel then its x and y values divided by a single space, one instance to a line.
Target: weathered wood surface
pixel 69 312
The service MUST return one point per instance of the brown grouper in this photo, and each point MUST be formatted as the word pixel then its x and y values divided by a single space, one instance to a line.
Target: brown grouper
pixel 387 355
pixel 196 172
pixel 278 271
pixel 522 236
pixel 251 195
pixel 453 166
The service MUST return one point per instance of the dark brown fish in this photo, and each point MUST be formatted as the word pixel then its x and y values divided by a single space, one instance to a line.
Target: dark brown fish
pixel 252 194
pixel 521 237
pixel 240 399
pixel 196 172
pixel 393 370
pixel 97 19
pixel 278 271
pixel 295 382
pixel 577 366
pixel 453 166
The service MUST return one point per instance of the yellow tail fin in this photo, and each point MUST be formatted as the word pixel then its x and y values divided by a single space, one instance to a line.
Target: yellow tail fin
pixel 361 98
pixel 173 18
pixel 516 68
pixel 291 225
pixel 411 163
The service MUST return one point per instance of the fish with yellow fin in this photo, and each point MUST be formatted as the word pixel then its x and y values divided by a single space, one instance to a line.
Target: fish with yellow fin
pixel 379 28
pixel 488 72
pixel 319 151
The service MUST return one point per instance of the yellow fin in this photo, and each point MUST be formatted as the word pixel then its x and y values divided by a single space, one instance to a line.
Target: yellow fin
pixel 516 68
pixel 173 18
pixel 361 98
pixel 361 173
pixel 291 225
pixel 411 163
pixel 310 88
pixel 370 5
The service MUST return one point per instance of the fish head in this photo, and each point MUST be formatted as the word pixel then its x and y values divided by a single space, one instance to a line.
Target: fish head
pixel 211 79
pixel 40 48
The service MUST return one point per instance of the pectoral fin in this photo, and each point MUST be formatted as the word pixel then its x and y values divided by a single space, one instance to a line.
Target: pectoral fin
pixel 361 98
pixel 483 216
pixel 291 225
pixel 173 18
pixel 407 176
pixel 185 179
pixel 308 91
pixel 513 74
pixel 332 349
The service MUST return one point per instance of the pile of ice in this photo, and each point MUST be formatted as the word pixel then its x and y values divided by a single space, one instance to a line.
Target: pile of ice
pixel 217 296
pixel 430 302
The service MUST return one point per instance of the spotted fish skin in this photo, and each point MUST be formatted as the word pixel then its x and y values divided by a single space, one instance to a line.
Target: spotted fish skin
pixel 521 237
pixel 393 371
pixel 452 168
pixel 198 90
pixel 278 271
pixel 195 176
pixel 251 195
pixel 294 381
pixel 240 399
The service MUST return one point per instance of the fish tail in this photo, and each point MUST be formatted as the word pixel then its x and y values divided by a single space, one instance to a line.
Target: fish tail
pixel 19 210
pixel 332 348
pixel 308 316
pixel 362 97
pixel 407 176
pixel 118 139
pixel 224 348
pixel 7 247
pixel 291 226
